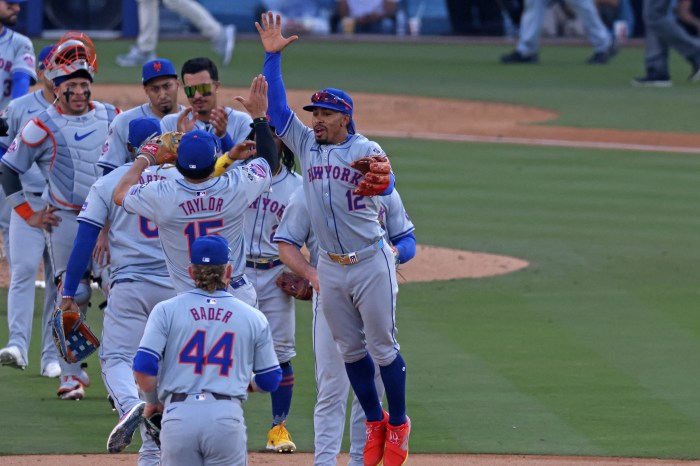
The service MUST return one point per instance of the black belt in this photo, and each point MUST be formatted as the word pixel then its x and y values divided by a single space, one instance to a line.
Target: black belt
pixel 177 397
pixel 264 264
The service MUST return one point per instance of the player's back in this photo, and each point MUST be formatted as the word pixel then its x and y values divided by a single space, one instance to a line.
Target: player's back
pixel 197 209
pixel 211 343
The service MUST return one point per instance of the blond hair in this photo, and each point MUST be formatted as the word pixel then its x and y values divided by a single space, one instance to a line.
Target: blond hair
pixel 210 277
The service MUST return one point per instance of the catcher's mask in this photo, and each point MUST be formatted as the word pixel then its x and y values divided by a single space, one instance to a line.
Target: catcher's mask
pixel 73 56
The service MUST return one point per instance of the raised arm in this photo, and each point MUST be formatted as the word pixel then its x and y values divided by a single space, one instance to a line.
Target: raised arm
pixel 270 30
pixel 256 105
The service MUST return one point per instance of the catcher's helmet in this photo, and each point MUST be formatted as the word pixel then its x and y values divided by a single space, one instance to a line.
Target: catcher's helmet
pixel 75 55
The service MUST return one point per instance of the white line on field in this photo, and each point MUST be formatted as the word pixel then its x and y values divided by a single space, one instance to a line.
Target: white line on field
pixel 535 142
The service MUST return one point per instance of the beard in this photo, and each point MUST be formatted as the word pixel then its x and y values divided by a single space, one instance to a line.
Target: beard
pixel 9 20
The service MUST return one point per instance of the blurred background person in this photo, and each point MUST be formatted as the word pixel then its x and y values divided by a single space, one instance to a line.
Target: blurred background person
pixel 222 37
pixel 365 16
pixel 663 33
pixel 527 49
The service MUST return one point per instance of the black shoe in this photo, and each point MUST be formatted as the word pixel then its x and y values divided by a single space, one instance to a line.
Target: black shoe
pixel 652 81
pixel 517 57
pixel 602 58
pixel 695 74
pixel 599 58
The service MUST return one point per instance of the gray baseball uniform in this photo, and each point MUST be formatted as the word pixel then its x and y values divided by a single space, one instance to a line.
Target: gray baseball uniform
pixel 16 54
pixel 192 210
pixel 332 384
pixel 261 222
pixel 207 344
pixel 28 243
pixel 114 152
pixel 348 228
pixel 66 149
pixel 139 280
pixel 238 126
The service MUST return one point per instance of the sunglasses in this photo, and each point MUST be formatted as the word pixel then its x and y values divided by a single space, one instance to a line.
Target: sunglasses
pixel 329 98
pixel 204 90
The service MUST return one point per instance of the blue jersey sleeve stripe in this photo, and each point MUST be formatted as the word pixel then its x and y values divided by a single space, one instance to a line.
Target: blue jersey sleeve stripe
pixel 106 165
pixel 286 240
pixel 12 166
pixel 91 222
pixel 396 238
pixel 267 369
pixel 150 351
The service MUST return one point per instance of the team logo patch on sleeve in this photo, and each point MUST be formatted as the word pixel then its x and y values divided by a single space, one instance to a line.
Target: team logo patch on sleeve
pixel 13 146
pixel 85 205
pixel 256 172
pixel 29 60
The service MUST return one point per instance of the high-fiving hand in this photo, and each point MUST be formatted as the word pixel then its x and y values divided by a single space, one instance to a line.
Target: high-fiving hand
pixel 270 30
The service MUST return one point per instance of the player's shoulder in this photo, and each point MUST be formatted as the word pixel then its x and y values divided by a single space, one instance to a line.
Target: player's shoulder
pixel 34 132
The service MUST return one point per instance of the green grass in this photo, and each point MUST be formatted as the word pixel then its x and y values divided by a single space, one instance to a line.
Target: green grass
pixel 592 350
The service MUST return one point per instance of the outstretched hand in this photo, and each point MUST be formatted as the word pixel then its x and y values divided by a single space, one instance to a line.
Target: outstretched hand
pixel 256 103
pixel 270 30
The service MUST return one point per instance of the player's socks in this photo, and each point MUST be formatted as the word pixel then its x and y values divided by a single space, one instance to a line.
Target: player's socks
pixel 361 375
pixel 394 378
pixel 282 397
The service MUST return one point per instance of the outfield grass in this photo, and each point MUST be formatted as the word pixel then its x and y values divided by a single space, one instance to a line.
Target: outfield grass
pixel 593 350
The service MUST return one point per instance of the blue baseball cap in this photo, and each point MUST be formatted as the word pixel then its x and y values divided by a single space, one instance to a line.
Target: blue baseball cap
pixel 43 54
pixel 209 250
pixel 157 69
pixel 197 150
pixel 142 128
pixel 334 99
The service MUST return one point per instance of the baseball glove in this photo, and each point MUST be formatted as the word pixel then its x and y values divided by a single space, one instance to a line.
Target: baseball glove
pixel 73 338
pixel 377 171
pixel 152 424
pixel 295 286
pixel 161 149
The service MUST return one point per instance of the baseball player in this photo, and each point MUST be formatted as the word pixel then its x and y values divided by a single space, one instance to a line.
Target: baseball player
pixel 356 266
pixel 200 79
pixel 262 269
pixel 17 74
pixel 332 384
pixel 139 277
pixel 194 364
pixel 64 140
pixel 201 205
pixel 28 243
pixel 161 86
pixel 17 53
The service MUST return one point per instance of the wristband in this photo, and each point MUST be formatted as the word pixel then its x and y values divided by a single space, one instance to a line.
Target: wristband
pixel 65 296
pixel 24 210
pixel 259 120
pixel 144 157
pixel 151 397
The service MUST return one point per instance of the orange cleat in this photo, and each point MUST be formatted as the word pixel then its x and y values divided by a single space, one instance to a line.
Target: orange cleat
pixel 376 438
pixel 396 451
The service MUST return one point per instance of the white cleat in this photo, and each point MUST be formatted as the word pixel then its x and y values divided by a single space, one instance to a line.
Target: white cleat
pixel 11 356
pixel 51 370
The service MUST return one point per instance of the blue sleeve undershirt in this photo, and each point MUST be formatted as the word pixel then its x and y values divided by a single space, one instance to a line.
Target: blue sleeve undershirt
pixel 80 256
pixel 146 363
pixel 226 143
pixel 406 245
pixel 20 83
pixel 269 381
pixel 278 109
